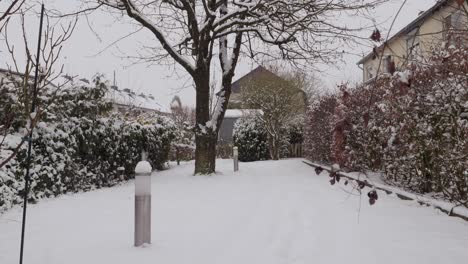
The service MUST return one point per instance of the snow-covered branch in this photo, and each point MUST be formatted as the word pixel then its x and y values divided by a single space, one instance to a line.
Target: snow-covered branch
pixel 134 12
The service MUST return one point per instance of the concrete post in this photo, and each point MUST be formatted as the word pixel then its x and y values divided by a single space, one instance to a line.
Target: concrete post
pixel 236 158
pixel 142 203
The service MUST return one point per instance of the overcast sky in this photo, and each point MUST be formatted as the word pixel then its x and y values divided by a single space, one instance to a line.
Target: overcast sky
pixel 87 53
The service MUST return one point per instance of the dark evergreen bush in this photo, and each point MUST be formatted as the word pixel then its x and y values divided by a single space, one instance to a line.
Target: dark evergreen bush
pixel 80 145
pixel 251 139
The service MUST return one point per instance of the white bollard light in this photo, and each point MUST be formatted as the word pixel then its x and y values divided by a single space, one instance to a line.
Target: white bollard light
pixel 143 203
pixel 236 158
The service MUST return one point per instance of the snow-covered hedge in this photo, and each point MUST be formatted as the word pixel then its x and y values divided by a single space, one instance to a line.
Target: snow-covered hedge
pixel 318 129
pixel 79 145
pixel 413 126
pixel 183 146
pixel 251 138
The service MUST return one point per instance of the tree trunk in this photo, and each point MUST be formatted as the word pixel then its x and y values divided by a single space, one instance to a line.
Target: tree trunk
pixel 205 153
pixel 274 148
pixel 205 137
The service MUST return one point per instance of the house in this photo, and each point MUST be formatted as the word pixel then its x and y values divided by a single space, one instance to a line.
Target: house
pixel 120 104
pixel 19 77
pixel 445 23
pixel 225 135
pixel 259 73
pixel 237 108
pixel 127 102
pixel 133 110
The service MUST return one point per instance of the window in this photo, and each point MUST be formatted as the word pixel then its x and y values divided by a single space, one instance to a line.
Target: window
pixel 447 26
pixel 412 43
pixel 370 72
pixel 453 25
pixel 388 64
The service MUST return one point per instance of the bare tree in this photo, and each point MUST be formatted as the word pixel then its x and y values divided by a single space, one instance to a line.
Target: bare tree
pixel 18 79
pixel 281 101
pixel 9 7
pixel 189 32
pixel 309 82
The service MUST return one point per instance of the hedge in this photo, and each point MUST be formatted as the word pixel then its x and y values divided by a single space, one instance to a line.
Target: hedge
pixel 79 146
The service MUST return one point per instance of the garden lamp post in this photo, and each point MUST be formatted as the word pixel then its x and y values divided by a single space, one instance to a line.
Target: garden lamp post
pixel 143 203
pixel 236 158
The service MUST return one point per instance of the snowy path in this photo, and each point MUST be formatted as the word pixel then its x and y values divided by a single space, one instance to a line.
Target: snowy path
pixel 268 213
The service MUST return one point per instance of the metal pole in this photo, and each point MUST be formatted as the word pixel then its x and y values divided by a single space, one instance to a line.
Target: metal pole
pixel 236 158
pixel 28 160
pixel 142 203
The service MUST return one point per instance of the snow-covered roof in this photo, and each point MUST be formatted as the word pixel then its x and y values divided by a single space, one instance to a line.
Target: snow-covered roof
pixel 238 113
pixel 254 74
pixel 129 98
pixel 413 24
pixel 18 76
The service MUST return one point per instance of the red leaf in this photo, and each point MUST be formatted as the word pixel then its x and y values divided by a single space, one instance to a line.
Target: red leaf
pixel 376 36
pixel 318 170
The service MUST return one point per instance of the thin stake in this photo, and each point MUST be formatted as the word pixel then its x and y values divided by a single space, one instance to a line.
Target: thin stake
pixel 28 161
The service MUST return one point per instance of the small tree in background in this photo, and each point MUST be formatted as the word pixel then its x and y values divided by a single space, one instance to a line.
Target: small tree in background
pixel 184 118
pixel 280 102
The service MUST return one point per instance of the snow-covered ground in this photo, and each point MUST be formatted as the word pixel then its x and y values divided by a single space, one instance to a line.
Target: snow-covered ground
pixel 267 213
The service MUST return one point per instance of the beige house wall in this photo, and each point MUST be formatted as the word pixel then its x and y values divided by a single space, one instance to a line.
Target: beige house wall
pixel 430 35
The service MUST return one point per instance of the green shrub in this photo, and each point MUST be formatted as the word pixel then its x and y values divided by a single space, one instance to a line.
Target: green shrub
pixel 251 139
pixel 80 146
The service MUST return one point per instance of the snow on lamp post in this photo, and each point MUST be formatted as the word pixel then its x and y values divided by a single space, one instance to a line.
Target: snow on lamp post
pixel 236 158
pixel 143 203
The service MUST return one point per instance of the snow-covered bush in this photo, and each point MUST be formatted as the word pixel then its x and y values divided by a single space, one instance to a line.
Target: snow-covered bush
pixel 79 145
pixel 427 138
pixel 183 146
pixel 11 114
pixel 356 108
pixel 296 134
pixel 251 138
pixel 224 150
pixel 318 129
pixel 411 125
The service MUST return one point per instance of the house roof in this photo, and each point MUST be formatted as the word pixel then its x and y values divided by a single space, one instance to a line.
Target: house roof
pixel 21 75
pixel 236 86
pixel 415 23
pixel 238 113
pixel 139 108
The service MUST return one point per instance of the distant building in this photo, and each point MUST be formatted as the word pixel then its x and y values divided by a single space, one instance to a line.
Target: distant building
pixel 125 101
pixel 238 108
pixel 258 73
pixel 4 73
pixel 231 116
pixel 134 110
pixel 444 23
